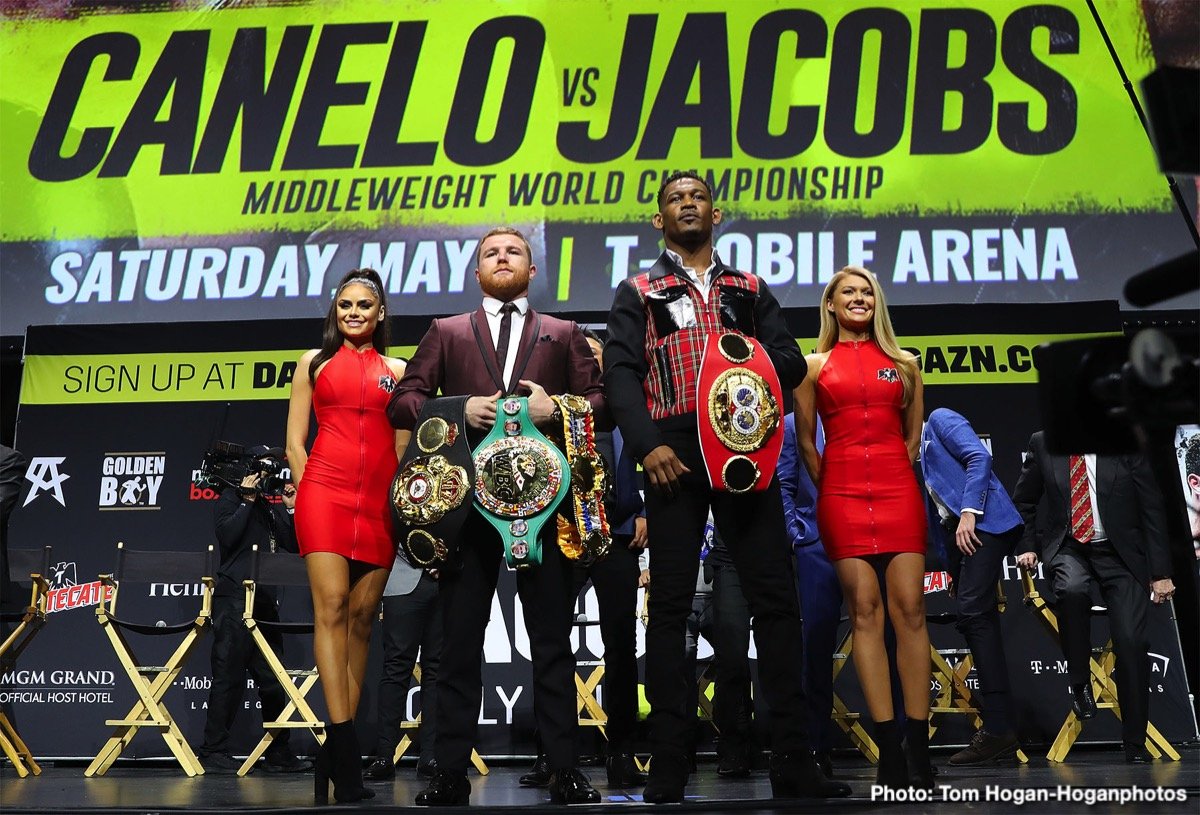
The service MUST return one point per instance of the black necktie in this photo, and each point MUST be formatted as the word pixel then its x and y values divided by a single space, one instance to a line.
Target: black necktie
pixel 506 313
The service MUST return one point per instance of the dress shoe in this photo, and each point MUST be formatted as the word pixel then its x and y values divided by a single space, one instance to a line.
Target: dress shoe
pixel 447 789
pixel 1082 701
pixel 285 761
pixel 219 763
pixel 1137 754
pixel 623 771
pixel 733 763
pixel 570 786
pixel 427 767
pixel 381 769
pixel 824 761
pixel 796 775
pixel 667 779
pixel 538 775
pixel 985 748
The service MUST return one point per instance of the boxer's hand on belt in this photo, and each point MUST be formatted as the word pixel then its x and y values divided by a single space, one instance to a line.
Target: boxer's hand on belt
pixel 481 411
pixel 541 406
pixel 663 468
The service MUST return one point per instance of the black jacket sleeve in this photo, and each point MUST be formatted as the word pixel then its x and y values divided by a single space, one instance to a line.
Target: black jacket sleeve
pixel 781 346
pixel 625 369
pixel 1028 494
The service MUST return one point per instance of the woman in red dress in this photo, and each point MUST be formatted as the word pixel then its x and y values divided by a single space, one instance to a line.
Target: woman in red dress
pixel 868 393
pixel 343 521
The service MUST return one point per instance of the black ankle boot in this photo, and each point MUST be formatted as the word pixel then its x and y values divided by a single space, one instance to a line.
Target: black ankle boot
pixel 893 769
pixel 340 760
pixel 916 740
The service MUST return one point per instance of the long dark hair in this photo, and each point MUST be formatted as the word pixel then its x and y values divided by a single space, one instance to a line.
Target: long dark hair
pixel 331 336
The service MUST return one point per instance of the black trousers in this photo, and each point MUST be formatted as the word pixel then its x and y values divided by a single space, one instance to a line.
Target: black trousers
pixel 234 653
pixel 752 527
pixel 615 579
pixel 411 622
pixel 975 578
pixel 732 703
pixel 1074 568
pixel 466 597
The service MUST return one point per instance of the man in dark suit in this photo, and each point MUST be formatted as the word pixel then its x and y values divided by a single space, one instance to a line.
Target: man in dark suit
pixel 657 328
pixel 1099 519
pixel 412 625
pixel 503 348
pixel 615 579
pixel 818 588
pixel 978 526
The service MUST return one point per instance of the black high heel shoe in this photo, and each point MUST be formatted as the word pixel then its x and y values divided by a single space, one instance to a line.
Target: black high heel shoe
pixel 340 760
pixel 321 775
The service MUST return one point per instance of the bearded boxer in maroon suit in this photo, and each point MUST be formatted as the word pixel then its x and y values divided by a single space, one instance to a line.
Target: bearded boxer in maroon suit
pixel 504 348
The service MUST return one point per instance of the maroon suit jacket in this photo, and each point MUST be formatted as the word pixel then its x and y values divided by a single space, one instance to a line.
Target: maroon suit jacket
pixel 450 362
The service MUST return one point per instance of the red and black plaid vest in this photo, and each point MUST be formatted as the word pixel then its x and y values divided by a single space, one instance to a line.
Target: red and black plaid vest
pixel 679 320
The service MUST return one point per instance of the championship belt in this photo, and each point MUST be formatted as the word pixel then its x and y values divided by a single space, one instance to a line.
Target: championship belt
pixel 520 478
pixel 588 481
pixel 738 400
pixel 431 491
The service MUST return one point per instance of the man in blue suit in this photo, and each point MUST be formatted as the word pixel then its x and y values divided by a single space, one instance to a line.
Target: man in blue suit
pixel 979 525
pixel 817 584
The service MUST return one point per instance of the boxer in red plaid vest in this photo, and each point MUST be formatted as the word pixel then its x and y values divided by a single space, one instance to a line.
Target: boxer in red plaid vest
pixel 657 329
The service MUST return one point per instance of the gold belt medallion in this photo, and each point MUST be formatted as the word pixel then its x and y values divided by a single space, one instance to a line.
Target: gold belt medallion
pixel 742 411
pixel 428 488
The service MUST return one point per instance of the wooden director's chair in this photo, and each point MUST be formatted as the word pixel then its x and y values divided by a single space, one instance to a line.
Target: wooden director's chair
pixel 1104 689
pixel 849 721
pixel 406 740
pixel 954 695
pixel 24 566
pixel 591 713
pixel 151 682
pixel 280 569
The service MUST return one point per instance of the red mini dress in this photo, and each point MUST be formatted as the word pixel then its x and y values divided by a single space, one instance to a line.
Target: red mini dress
pixel 342 501
pixel 868 502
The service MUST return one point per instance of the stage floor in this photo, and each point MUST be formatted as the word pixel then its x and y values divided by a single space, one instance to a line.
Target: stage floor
pixel 156 786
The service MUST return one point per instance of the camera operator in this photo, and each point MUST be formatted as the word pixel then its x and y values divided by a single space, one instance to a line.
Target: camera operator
pixel 244 517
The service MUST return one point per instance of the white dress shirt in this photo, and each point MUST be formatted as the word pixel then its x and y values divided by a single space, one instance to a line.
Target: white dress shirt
pixel 492 306
pixel 693 276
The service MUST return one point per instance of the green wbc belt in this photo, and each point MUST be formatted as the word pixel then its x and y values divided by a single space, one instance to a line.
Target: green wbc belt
pixel 520 478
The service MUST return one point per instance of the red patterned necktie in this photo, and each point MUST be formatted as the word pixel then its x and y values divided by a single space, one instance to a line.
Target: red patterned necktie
pixel 1082 529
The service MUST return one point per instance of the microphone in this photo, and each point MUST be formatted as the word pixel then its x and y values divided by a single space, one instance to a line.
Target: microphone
pixel 1166 280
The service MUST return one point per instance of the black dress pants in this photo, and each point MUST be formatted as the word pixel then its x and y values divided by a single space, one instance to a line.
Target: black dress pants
pixel 732 702
pixel 752 527
pixel 615 579
pixel 1073 570
pixel 412 623
pixel 234 653
pixel 975 578
pixel 466 597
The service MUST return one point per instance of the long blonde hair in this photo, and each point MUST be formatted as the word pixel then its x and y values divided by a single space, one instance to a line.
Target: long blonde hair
pixel 881 328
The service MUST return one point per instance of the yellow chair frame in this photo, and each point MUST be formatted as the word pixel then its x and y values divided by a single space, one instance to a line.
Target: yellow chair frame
pixel 36 564
pixel 151 682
